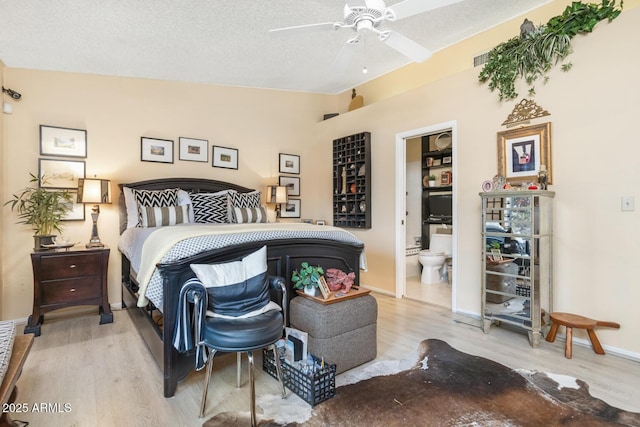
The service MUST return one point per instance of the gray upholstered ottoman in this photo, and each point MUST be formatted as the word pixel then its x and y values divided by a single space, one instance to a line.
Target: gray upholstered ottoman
pixel 343 333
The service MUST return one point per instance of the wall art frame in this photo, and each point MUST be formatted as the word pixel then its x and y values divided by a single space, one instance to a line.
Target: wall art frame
pixel 290 163
pixel 291 209
pixel 193 149
pixel 156 150
pixel 63 142
pixel 292 183
pixel 522 151
pixel 55 173
pixel 225 157
pixel 76 210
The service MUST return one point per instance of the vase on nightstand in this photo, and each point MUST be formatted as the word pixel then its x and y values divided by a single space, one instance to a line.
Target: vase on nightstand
pixel 310 290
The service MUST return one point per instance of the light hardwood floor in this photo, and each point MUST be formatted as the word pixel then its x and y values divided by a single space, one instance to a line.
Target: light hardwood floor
pixel 107 377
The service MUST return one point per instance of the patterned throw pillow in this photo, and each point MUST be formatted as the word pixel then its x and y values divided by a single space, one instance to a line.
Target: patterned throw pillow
pixel 157 216
pixel 159 198
pixel 230 282
pixel 243 200
pixel 7 335
pixel 248 215
pixel 210 208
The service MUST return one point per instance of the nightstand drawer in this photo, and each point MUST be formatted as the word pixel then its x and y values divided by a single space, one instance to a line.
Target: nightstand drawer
pixel 77 265
pixel 65 291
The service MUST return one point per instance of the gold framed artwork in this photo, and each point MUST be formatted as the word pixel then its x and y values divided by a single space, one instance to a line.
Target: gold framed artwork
pixel 522 151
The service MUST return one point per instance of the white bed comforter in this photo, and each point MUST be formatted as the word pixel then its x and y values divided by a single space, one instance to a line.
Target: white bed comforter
pixel 147 247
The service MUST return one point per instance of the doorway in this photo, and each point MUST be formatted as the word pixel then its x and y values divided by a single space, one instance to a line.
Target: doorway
pixel 406 194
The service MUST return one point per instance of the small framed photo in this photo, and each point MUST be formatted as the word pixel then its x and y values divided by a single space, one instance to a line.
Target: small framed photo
pixel 292 183
pixel 324 288
pixel 224 157
pixel 446 160
pixel 306 221
pixel 496 255
pixel 194 150
pixel 289 163
pixel 291 209
pixel 437 162
pixel 76 210
pixel 156 150
pixel 446 178
pixel 321 222
pixel 429 162
pixel 63 142
pixel 60 173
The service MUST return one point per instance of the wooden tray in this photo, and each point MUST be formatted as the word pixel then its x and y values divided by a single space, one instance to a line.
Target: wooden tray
pixel 354 292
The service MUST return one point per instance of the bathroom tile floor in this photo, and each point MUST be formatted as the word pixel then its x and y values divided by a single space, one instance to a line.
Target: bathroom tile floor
pixel 437 294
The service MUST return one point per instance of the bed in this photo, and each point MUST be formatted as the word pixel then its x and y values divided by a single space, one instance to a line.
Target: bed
pixel 154 311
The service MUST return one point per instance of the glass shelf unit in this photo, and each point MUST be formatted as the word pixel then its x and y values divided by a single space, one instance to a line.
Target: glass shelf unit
pixel 517 254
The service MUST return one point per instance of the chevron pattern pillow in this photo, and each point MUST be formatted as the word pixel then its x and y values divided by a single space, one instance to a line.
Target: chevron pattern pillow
pixel 159 198
pixel 210 208
pixel 243 200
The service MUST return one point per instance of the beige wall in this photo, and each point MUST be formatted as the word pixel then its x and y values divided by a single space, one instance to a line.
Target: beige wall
pixel 592 115
pixel 116 112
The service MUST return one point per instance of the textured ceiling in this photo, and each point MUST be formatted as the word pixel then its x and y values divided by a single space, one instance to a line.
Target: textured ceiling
pixel 223 42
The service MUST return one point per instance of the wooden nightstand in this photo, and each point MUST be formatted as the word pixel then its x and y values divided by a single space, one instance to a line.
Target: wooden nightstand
pixel 77 276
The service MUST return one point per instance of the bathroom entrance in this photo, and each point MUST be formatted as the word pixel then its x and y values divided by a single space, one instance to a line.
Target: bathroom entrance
pixel 425 206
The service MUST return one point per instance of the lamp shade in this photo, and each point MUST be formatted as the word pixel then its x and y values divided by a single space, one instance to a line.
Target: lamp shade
pixel 93 190
pixel 276 194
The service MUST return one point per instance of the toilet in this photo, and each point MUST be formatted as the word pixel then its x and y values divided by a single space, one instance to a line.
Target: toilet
pixel 433 259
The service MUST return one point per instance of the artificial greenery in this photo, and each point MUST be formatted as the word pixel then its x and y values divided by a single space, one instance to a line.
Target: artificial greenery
pixel 532 55
pixel 40 208
pixel 308 276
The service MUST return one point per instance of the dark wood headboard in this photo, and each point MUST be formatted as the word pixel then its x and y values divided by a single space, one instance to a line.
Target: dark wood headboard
pixel 191 185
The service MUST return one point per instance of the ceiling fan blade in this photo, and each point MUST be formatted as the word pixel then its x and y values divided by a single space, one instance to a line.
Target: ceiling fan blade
pixel 345 55
pixel 374 4
pixel 407 8
pixel 407 47
pixel 309 28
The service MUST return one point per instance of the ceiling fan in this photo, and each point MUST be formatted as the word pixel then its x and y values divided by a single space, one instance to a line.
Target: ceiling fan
pixel 371 15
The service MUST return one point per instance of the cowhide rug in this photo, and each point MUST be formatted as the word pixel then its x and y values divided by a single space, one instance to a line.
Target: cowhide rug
pixel 446 388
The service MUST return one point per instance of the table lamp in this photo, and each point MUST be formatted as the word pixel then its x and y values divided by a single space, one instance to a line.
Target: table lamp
pixel 96 191
pixel 276 195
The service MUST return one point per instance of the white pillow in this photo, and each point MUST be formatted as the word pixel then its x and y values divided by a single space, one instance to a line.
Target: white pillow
pixel 184 199
pixel 132 207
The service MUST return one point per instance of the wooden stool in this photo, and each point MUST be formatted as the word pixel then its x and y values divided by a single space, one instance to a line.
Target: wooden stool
pixel 575 321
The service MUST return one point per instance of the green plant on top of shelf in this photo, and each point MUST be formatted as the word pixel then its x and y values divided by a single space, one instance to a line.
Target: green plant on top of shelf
pixel 532 54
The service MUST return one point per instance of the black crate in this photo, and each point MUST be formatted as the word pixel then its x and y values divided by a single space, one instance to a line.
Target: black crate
pixel 313 388
pixel 523 291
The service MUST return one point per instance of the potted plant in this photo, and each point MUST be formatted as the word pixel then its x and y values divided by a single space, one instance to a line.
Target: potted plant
pixel 307 278
pixel 432 180
pixel 42 209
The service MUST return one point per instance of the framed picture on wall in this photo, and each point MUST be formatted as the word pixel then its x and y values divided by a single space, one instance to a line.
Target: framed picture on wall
pixel 291 209
pixel 289 163
pixel 193 150
pixel 156 150
pixel 76 210
pixel 292 183
pixel 63 142
pixel 522 151
pixel 60 173
pixel 224 157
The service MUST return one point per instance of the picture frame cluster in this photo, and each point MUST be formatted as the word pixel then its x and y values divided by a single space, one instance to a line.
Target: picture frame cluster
pixel 59 167
pixel 189 149
pixel 290 164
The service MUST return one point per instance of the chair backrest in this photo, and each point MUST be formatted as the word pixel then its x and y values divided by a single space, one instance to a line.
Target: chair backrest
pixel 236 288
